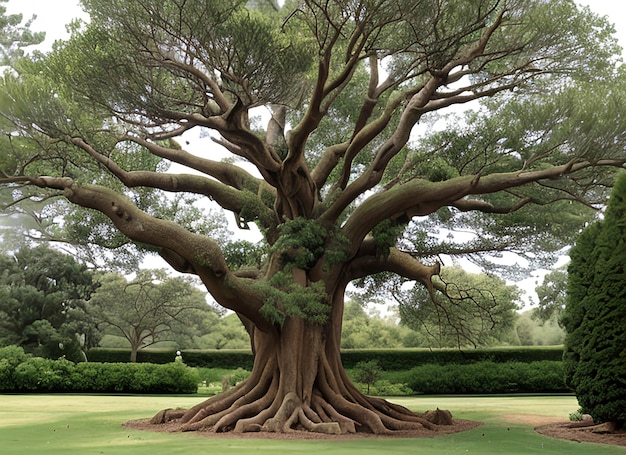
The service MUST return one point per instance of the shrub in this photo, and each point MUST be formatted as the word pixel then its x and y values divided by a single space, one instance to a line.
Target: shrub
pixel 37 374
pixel 10 357
pixel 488 378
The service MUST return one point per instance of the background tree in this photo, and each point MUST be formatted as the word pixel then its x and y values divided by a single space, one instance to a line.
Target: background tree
pixel 334 181
pixel 151 308
pixel 42 303
pixel 226 332
pixel 362 330
pixel 471 310
pixel 595 315
pixel 552 294
pixel 529 330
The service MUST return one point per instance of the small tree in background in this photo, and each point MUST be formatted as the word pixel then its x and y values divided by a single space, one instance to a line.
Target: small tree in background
pixel 151 308
pixel 368 372
pixel 595 315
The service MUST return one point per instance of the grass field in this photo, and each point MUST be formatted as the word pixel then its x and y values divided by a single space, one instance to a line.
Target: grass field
pixel 76 424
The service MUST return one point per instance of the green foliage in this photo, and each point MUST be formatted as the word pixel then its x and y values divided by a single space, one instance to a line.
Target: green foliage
pixel 552 293
pixel 15 36
pixel 235 377
pixel 284 298
pixel 531 330
pixel 367 372
pixel 595 315
pixel 229 359
pixel 468 310
pixel 362 331
pixel 10 358
pixel 386 235
pixel 35 374
pixel 225 332
pixel 44 294
pixel 488 378
pixel 405 359
pixel 300 242
pixel 241 254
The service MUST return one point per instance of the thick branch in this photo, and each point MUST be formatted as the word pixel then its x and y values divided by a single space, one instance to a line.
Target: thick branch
pixel 226 173
pixel 421 197
pixel 201 254
pixel 368 262
pixel 227 197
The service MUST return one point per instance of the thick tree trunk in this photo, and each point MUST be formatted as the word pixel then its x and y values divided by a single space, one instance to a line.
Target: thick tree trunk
pixel 297 382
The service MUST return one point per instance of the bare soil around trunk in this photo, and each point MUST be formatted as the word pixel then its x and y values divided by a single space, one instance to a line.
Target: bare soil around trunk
pixel 457 426
pixel 553 427
pixel 584 431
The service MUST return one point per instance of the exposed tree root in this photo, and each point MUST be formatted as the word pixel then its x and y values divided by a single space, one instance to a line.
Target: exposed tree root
pixel 262 407
pixel 297 384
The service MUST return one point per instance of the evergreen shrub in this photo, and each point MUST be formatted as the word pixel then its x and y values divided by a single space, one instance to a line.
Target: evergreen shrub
pixel 487 377
pixel 36 374
pixel 387 359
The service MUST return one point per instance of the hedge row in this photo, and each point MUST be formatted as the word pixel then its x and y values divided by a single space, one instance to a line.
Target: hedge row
pixel 22 373
pixel 486 378
pixel 388 359
pixel 405 359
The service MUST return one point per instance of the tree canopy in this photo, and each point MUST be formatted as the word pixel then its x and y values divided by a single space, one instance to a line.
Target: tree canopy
pixel 329 114
pixel 15 35
pixel 43 294
pixel 151 308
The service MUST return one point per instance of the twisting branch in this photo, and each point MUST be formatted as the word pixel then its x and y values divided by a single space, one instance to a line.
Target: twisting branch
pixel 228 197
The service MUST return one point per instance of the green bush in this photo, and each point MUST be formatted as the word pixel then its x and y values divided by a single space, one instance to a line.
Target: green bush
pixel 36 374
pixel 229 359
pixel 488 378
pixel 10 357
pixel 121 355
pixel 405 359
pixel 388 359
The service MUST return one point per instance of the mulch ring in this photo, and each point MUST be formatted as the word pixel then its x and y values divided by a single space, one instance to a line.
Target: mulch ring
pixel 458 426
pixel 584 431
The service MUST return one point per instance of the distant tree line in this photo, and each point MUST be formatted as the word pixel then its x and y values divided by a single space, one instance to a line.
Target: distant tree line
pixel 53 306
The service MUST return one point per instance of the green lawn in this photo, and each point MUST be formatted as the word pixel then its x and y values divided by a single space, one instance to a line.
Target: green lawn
pixel 75 424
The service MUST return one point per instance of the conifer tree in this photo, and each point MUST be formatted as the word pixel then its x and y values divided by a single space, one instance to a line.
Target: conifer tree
pixel 595 316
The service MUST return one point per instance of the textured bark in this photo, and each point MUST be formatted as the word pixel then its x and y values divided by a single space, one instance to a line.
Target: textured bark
pixel 298 383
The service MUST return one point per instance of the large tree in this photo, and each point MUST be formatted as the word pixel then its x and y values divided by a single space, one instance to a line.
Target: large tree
pixel 151 308
pixel 595 315
pixel 43 294
pixel 334 181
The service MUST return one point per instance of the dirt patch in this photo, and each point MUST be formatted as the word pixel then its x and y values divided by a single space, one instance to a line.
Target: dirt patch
pixel 457 426
pixel 556 427
pixel 583 432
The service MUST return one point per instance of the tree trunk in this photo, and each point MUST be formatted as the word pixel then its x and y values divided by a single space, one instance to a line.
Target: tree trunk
pixel 297 382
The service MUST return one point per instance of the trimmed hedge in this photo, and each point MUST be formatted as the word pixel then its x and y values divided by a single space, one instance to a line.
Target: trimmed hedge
pixel 487 378
pixel 388 359
pixel 121 355
pixel 35 374
pixel 405 359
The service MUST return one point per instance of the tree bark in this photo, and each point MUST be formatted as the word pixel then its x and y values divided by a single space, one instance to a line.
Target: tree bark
pixel 297 383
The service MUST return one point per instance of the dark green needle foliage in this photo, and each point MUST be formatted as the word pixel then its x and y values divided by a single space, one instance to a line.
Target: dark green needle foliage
pixel 595 315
